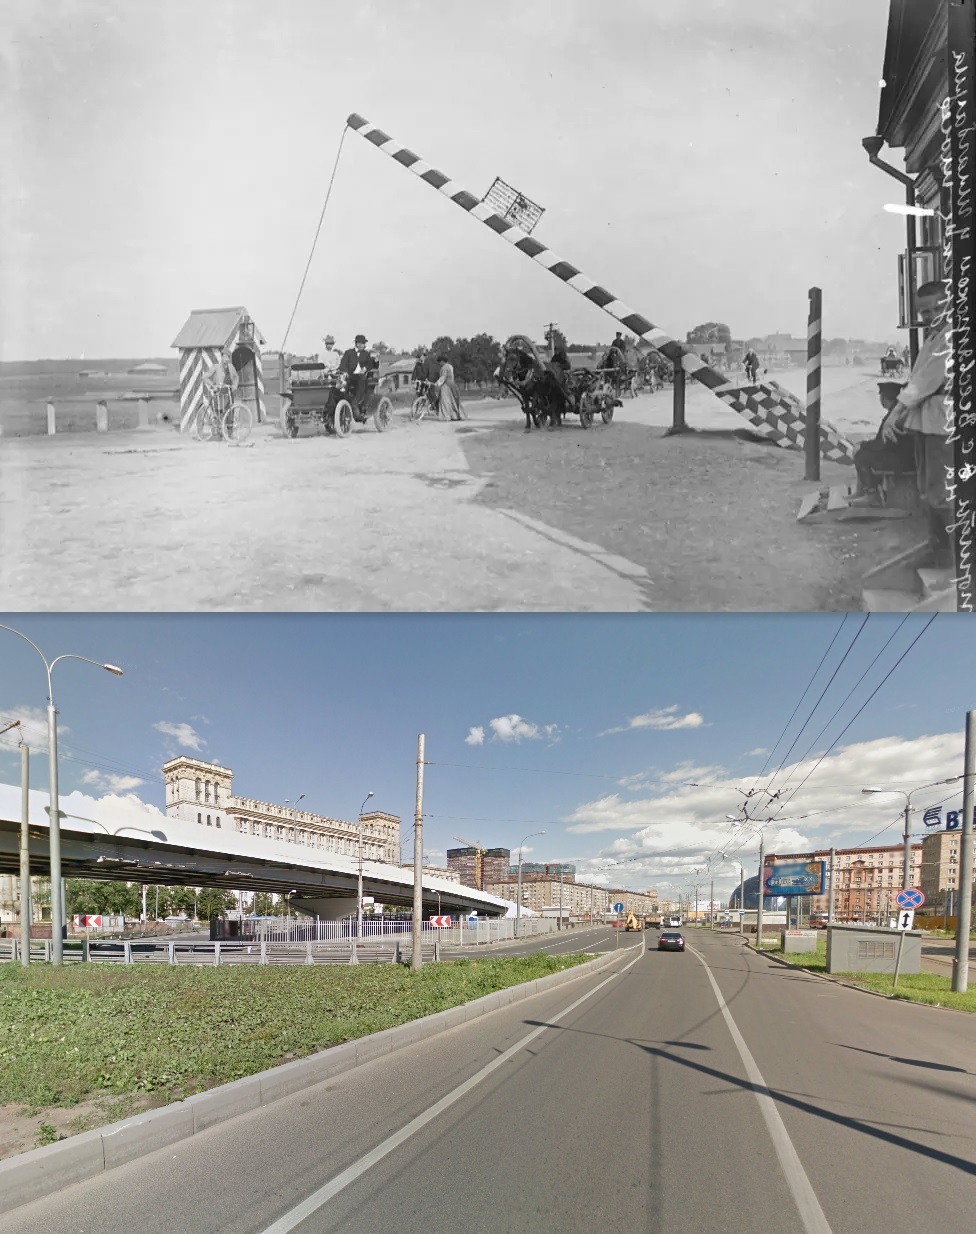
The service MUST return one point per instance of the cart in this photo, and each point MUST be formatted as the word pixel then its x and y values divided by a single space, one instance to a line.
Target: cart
pixel 319 396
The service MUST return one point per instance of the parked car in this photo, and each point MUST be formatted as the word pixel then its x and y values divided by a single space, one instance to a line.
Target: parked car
pixel 671 940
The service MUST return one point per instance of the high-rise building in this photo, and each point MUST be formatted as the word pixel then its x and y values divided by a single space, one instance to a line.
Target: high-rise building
pixel 940 871
pixel 476 867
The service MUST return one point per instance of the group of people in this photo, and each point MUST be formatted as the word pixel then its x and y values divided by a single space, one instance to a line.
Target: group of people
pixel 441 378
pixel 914 433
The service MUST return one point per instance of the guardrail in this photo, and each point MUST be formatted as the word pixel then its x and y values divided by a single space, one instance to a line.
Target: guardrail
pixel 353 951
pixel 144 418
pixel 461 933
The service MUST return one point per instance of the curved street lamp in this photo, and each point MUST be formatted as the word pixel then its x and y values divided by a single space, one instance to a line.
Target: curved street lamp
pixel 518 906
pixel 359 884
pixel 57 902
pixel 907 835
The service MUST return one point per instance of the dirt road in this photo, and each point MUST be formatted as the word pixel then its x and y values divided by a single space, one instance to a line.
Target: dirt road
pixel 428 517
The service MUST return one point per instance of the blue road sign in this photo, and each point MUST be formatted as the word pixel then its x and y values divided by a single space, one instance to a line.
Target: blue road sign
pixel 618 907
pixel 909 897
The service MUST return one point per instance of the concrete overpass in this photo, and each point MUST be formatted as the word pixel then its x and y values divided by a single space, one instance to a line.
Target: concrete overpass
pixel 139 844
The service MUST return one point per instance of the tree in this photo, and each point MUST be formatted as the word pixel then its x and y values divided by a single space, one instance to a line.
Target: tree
pixel 264 904
pixel 213 901
pixel 710 332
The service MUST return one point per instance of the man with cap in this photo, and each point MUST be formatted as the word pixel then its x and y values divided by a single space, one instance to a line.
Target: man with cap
pixel 357 364
pixel 890 449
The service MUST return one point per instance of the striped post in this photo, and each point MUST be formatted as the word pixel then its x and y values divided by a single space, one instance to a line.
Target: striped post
pixel 101 416
pixel 772 411
pixel 812 435
pixel 194 362
pixel 52 427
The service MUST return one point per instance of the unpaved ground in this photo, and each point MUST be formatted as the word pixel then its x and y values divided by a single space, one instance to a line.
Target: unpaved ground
pixel 428 517
pixel 23 1128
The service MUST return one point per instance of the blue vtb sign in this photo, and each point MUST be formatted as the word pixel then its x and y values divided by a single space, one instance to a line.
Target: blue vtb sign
pixel 953 819
pixel 795 878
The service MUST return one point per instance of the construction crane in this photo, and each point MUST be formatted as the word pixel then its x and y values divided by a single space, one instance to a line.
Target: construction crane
pixel 478 865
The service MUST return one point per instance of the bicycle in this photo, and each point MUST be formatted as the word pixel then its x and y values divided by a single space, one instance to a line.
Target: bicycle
pixel 224 418
pixel 426 401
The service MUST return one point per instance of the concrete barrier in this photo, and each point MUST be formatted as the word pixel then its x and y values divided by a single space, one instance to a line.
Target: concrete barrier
pixel 37 1173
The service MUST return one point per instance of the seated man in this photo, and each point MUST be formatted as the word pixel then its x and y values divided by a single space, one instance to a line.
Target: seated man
pixel 559 367
pixel 883 453
pixel 357 364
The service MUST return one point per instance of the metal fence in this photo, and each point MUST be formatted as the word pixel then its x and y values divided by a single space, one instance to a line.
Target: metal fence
pixel 462 933
pixel 349 951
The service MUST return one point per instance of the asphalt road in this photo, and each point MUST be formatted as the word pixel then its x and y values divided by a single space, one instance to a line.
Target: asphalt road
pixel 631 1099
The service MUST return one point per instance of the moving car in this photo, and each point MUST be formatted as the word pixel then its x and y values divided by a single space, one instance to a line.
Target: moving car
pixel 671 940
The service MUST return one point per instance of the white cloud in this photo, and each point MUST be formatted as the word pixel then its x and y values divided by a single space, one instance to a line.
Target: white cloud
pixel 111 783
pixel 513 728
pixel 184 734
pixel 758 752
pixel 475 737
pixel 670 828
pixel 32 729
pixel 662 718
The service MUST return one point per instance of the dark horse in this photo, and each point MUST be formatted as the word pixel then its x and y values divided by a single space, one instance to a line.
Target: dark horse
pixel 537 384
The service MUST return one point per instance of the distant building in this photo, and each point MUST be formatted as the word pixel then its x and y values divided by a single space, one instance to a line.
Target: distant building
pixel 399 374
pixel 546 869
pixel 477 867
pixel 200 793
pixel 149 369
pixel 940 871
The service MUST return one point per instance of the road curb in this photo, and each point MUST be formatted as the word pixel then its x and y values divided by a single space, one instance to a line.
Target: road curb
pixel 42 1171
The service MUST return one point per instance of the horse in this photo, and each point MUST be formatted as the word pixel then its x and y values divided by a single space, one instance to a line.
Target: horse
pixel 539 389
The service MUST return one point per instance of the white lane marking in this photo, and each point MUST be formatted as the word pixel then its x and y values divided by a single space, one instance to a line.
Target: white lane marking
pixel 804 1196
pixel 337 1184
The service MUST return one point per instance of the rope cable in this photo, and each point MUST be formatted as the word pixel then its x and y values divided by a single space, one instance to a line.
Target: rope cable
pixel 308 264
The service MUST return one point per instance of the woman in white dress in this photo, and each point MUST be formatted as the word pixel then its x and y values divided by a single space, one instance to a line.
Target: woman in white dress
pixel 448 397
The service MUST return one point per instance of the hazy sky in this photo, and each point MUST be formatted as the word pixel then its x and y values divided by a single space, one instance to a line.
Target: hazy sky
pixel 703 161
pixel 590 728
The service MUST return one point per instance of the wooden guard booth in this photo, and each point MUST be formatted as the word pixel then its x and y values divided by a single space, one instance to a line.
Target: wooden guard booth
pixel 206 333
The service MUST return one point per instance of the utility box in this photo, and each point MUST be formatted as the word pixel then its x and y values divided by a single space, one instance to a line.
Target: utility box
pixel 860 949
pixel 799 940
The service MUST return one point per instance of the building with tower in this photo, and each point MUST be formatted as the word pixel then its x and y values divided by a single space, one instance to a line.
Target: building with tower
pixel 202 793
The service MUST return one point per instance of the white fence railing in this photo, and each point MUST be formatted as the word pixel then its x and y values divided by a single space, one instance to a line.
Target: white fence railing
pixel 461 933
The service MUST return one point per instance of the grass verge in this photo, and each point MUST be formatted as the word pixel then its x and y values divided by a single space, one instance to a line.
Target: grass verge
pixel 931 988
pixel 92 1030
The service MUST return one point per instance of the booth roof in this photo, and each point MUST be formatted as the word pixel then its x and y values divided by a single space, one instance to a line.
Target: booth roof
pixel 213 328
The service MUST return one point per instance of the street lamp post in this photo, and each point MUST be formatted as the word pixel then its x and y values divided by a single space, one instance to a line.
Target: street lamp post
pixel 518 905
pixel 907 835
pixel 57 900
pixel 359 884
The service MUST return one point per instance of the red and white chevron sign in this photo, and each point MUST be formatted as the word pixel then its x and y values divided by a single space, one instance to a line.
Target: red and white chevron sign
pixel 439 921
pixel 772 411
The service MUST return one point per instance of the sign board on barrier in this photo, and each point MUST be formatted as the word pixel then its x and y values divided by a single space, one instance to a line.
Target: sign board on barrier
pixel 439 921
pixel 512 205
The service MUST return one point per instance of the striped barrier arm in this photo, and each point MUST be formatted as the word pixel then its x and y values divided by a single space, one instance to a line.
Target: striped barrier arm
pixel 771 410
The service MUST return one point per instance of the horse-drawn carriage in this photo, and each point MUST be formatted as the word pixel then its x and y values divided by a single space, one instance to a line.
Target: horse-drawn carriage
pixel 321 396
pixel 547 392
pixel 892 364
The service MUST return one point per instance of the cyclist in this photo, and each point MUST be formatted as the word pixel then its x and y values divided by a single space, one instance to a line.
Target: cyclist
pixel 221 382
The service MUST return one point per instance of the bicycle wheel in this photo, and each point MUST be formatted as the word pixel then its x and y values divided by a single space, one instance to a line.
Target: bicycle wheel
pixel 206 423
pixel 419 408
pixel 383 414
pixel 237 422
pixel 343 418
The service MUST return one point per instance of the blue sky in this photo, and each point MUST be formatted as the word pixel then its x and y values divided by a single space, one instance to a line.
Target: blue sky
pixel 588 727
pixel 702 161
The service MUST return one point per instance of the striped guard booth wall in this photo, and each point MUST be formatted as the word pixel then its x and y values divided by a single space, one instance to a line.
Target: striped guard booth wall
pixel 194 362
pixel 771 410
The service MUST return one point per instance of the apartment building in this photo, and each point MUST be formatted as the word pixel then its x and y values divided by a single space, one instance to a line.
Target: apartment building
pixel 866 880
pixel 577 899
pixel 477 867
pixel 940 870
pixel 201 793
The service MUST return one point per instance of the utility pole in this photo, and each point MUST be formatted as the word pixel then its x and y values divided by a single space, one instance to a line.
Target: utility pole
pixel 759 902
pixel 560 925
pixel 964 919
pixel 907 861
pixel 830 888
pixel 711 907
pixel 417 958
pixel 742 898
pixel 25 883
pixel 551 329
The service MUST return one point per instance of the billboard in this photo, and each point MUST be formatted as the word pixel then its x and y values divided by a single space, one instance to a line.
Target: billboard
pixel 794 878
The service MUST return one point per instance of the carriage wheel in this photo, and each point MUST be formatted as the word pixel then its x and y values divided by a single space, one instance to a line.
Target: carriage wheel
pixel 289 424
pixel 606 414
pixel 237 423
pixel 342 417
pixel 419 408
pixel 383 414
pixel 586 415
